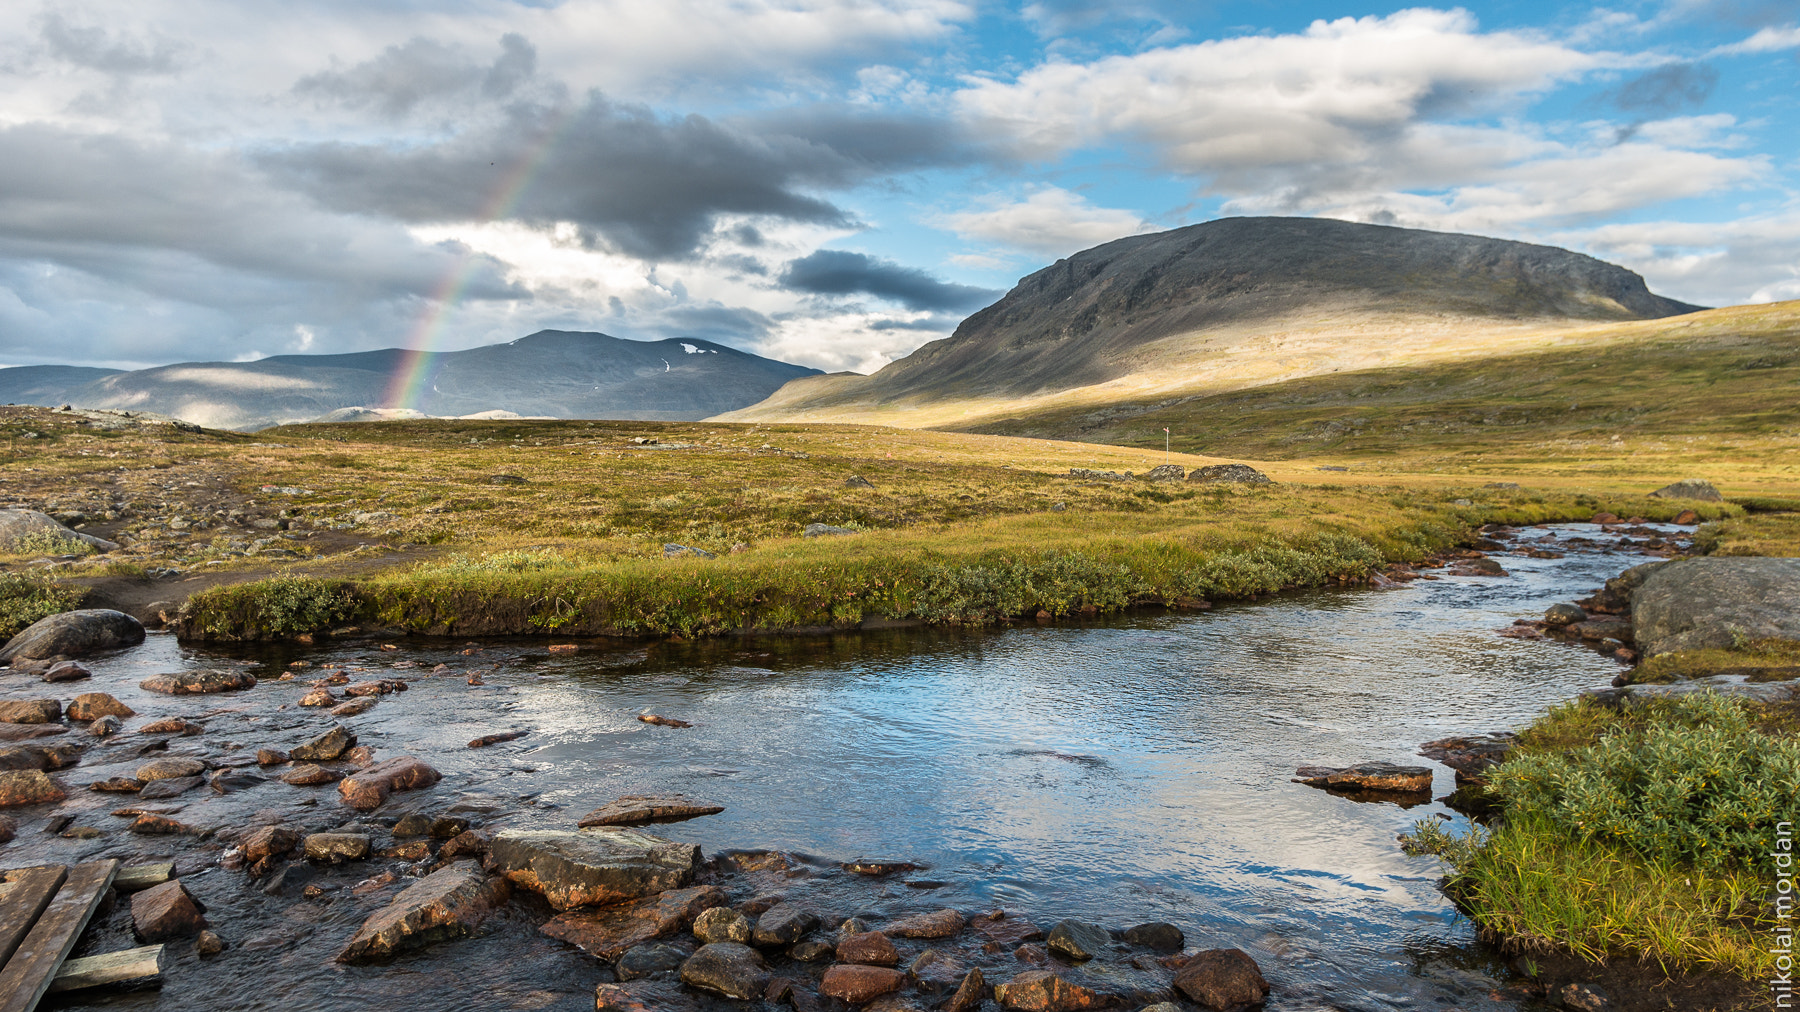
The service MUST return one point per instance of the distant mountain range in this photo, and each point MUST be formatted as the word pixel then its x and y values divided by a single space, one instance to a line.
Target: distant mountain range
pixel 553 373
pixel 1223 305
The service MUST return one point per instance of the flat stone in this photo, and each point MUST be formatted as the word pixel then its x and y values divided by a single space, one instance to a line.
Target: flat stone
pixel 1368 777
pixel 608 932
pixel 643 996
pixel 166 911
pixel 1222 978
pixel 857 984
pixel 637 809
pixel 937 924
pixel 74 634
pixel 782 925
pixel 1158 935
pixel 1077 941
pixel 192 683
pixel 352 707
pixel 94 705
pixel 117 785
pixel 173 766
pixel 28 787
pixel 871 948
pixel 172 725
pixel 591 866
pixel 732 969
pixel 645 960
pixel 723 924
pixel 270 757
pixel 168 787
pixel 309 775
pixel 1008 931
pixel 335 848
pixel 269 842
pixel 333 743
pixel 152 824
pixel 67 671
pixel 34 756
pixel 30 711
pixel 1044 991
pixel 370 787
pixel 448 903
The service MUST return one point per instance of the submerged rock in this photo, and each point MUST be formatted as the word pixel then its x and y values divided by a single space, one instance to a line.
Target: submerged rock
pixel 728 968
pixel 783 924
pixel 1560 615
pixel 937 924
pixel 647 960
pixel 637 809
pixel 1471 756
pixel 1158 935
pixel 169 768
pixel 74 634
pixel 608 932
pixel 1368 777
pixel 643 996
pixel 871 948
pixel 591 866
pixel 1077 941
pixel 448 903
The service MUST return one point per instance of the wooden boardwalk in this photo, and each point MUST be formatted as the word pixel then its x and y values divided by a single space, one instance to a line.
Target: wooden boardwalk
pixel 43 912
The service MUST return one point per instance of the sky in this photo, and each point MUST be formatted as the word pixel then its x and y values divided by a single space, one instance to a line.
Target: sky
pixel 827 182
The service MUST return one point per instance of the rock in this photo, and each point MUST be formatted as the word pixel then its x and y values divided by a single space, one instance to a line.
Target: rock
pixel 474 842
pixel 969 994
pixel 651 718
pixel 1222 978
pixel 172 725
pixel 1044 991
pixel 151 824
pixel 938 924
pixel 1603 629
pixel 1560 615
pixel 1367 776
pixel 166 911
pixel 1689 488
pixel 637 809
pixel 413 824
pixel 360 757
pixel 858 984
pixel 1470 756
pixel 1158 935
pixel 290 879
pixel 30 711
pixel 728 968
pixel 1582 997
pixel 446 827
pixel 24 530
pixel 1477 567
pixel 1242 474
pixel 8 829
pixel 336 848
pixel 1076 941
pixel 28 787
pixel 606 933
pixel 591 866
pixel 645 960
pixel 352 707
pixel 448 903
pixel 74 634
pixel 105 727
pixel 325 747
pixel 173 766
pixel 191 683
pixel 1686 518
pixel 1715 603
pixel 118 785
pixel 1604 518
pixel 782 925
pixel 494 739
pixel 936 972
pixel 269 842
pixel 379 687
pixel 1007 931
pixel 723 924
pixel 310 775
pixel 209 944
pixel 643 996
pixel 319 696
pixel 33 756
pixel 863 867
pixel 168 787
pixel 1167 472
pixel 270 757
pixel 824 531
pixel 370 787
pixel 94 705
pixel 810 950
pixel 871 948
pixel 674 551
pixel 858 481
pixel 66 671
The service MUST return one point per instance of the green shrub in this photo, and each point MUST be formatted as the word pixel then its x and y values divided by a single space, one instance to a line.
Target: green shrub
pixel 278 606
pixel 24 600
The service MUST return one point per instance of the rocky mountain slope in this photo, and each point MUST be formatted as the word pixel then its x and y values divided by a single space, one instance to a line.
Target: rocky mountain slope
pixel 1226 304
pixel 553 373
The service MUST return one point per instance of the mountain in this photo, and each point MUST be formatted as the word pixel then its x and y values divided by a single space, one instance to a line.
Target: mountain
pixel 552 373
pixel 49 385
pixel 1226 304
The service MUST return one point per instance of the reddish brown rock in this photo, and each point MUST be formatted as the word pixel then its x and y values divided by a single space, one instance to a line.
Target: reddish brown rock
pixel 151 824
pixel 871 948
pixel 1221 978
pixel 370 787
pixel 171 725
pixel 472 842
pixel 166 911
pixel 969 994
pixel 1605 518
pixel 270 757
pixel 638 809
pixel 380 687
pixel 607 932
pixel 30 711
pixel 592 866
pixel 1044 991
pixel 351 708
pixel 644 996
pixel 651 718
pixel 937 924
pixel 1686 518
pixel 190 683
pixel 319 696
pixel 117 785
pixel 448 903
pixel 174 766
pixel 494 739
pixel 269 841
pixel 412 850
pixel 309 775
pixel 937 971
pixel 859 985
pixel 28 787
pixel 1367 777
pixel 361 756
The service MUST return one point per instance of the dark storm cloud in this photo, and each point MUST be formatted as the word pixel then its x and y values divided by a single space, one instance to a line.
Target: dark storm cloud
pixel 838 272
pixel 878 141
pixel 420 70
pixel 96 48
pixel 1667 89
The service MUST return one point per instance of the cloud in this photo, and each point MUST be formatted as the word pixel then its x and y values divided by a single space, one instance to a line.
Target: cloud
pixel 1051 222
pixel 1769 40
pixel 1755 259
pixel 1669 88
pixel 839 272
pixel 421 70
pixel 115 52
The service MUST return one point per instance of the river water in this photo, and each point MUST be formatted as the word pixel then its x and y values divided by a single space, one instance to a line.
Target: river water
pixel 1119 771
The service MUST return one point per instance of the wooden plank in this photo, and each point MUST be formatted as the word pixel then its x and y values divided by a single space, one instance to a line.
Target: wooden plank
pixel 26 898
pixel 29 972
pixel 133 877
pixel 108 968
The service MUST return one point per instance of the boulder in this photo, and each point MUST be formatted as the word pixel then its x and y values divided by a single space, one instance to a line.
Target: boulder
pixel 66 671
pixel 28 787
pixel 871 948
pixel 1167 472
pixel 723 924
pixel 31 531
pixel 1158 935
pixel 859 984
pixel 1367 777
pixel 647 960
pixel 170 767
pixel 336 848
pixel 936 972
pixel 1044 991
pixel 166 911
pixel 74 634
pixel 325 747
pixel 1077 941
pixel 1222 978
pixel 191 683
pixel 637 809
pixel 1471 756
pixel 366 790
pixel 643 996
pixel 732 969
pixel 782 925
pixel 969 994
pixel 448 903
pixel 94 705
pixel 104 727
pixel 35 756
pixel 1716 602
pixel 1240 474
pixel 1689 488
pixel 937 924
pixel 269 842
pixel 30 711
pixel 591 866
pixel 1561 615
pixel 675 551
pixel 825 531
pixel 607 932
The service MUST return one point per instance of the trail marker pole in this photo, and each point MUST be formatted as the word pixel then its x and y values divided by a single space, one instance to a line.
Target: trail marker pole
pixel 1165 446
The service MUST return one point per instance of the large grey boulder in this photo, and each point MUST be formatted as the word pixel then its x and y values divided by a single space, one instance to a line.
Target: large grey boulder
pixel 74 634
pixel 1697 604
pixel 592 866
pixel 1690 488
pixel 31 531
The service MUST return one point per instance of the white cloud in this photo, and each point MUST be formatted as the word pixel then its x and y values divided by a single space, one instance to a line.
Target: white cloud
pixel 1755 259
pixel 1769 40
pixel 1051 222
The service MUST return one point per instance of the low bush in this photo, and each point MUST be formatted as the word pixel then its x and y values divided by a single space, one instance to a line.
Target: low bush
pixel 25 599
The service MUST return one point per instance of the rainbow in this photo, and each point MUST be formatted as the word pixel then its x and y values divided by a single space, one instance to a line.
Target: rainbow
pixel 413 373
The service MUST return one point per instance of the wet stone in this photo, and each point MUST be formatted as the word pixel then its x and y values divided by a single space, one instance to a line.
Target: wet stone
pixel 811 950
pixel 270 757
pixel 447 827
pixel 351 708
pixel 937 924
pixel 608 932
pixel 969 994
pixel 368 788
pixel 310 774
pixel 728 968
pixel 8 829
pixel 413 824
pixel 645 960
pixel 169 768
pixel 117 785
pixel 936 971
pixel 30 711
pixel 151 824
pixel 723 924
pixel 168 787
pixel 1221 978
pixel 333 848
pixel 290 879
pixel 66 671
pixel 209 944
pixel 860 985
pixel 172 725
pixel 1368 777
pixel 228 781
pixel 643 996
pixel 448 903
pixel 27 787
pixel 269 842
pixel 871 948
pixel 591 866
pixel 104 727
pixel 320 696
pixel 1158 935
pixel 1077 941
pixel 333 743
pixel 1007 931
pixel 782 925
pixel 1044 991
pixel 93 705
pixel 199 682
pixel 637 809
pixel 32 756
pixel 166 911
